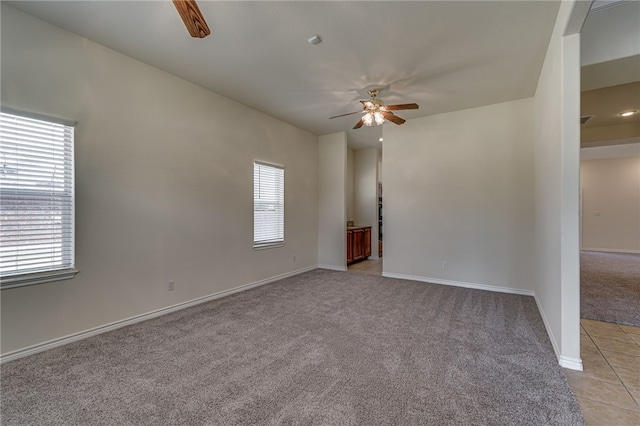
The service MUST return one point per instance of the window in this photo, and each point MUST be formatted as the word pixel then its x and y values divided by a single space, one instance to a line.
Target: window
pixel 268 205
pixel 36 200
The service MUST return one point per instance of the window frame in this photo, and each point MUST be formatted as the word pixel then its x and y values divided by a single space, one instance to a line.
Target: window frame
pixel 68 270
pixel 261 245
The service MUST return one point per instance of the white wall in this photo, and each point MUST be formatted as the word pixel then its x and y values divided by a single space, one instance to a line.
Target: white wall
pixel 164 184
pixel 350 173
pixel 611 34
pixel 557 143
pixel 458 187
pixel 366 193
pixel 332 199
pixel 611 204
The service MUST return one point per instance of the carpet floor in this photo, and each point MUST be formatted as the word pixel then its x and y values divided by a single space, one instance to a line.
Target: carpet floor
pixel 610 287
pixel 320 348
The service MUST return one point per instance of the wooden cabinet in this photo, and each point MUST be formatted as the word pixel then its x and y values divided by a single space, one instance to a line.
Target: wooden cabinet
pixel 358 243
pixel 367 242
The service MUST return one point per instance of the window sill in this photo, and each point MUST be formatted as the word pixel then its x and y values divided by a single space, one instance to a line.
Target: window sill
pixel 268 245
pixel 37 278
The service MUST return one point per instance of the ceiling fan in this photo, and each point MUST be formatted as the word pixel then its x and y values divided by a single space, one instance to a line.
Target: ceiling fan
pixel 192 18
pixel 376 112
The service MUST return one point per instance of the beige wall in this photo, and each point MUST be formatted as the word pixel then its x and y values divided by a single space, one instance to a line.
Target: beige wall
pixel 332 201
pixel 556 279
pixel 164 184
pixel 366 193
pixel 611 204
pixel 350 171
pixel 458 187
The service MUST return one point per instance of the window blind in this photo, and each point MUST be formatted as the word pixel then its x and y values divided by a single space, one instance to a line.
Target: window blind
pixel 268 205
pixel 36 199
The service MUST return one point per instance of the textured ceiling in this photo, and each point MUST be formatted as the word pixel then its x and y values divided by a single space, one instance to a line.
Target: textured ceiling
pixel 445 56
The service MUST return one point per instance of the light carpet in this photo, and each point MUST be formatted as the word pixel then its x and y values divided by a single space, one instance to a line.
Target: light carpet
pixel 320 348
pixel 610 287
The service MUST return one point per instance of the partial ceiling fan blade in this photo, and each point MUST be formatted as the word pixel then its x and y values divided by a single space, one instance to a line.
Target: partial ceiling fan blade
pixel 359 124
pixel 343 115
pixel 393 118
pixel 401 106
pixel 192 18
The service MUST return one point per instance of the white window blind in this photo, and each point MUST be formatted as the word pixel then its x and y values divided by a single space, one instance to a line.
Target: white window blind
pixel 36 199
pixel 268 205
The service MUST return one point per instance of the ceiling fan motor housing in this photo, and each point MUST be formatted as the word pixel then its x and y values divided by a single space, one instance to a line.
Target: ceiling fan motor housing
pixel 375 104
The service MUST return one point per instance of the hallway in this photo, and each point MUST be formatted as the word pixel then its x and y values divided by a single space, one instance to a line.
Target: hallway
pixel 369 267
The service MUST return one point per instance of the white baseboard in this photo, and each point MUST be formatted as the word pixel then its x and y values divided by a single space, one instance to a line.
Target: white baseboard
pixel 609 250
pixel 564 361
pixel 333 267
pixel 41 347
pixel 460 284
pixel 570 363
pixel 554 344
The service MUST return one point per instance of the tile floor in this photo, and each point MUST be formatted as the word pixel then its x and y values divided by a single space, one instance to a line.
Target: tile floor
pixel 608 390
pixel 368 266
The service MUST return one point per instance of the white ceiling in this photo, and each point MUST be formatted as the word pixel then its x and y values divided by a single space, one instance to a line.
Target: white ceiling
pixel 599 5
pixel 443 55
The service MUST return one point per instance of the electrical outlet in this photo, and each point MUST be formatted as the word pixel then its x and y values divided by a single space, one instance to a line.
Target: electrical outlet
pixel 445 265
pixel 170 285
pixel 294 258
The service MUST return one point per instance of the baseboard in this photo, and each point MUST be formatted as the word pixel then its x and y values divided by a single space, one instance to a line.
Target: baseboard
pixel 564 361
pixel 333 267
pixel 41 347
pixel 547 327
pixel 609 250
pixel 460 284
pixel 570 363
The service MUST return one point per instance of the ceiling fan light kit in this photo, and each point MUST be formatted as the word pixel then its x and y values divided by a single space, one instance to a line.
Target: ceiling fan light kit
pixel 370 118
pixel 376 112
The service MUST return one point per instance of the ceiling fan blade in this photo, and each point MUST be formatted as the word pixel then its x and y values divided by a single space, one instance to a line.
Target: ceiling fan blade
pixel 401 106
pixel 343 115
pixel 359 124
pixel 192 18
pixel 393 118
